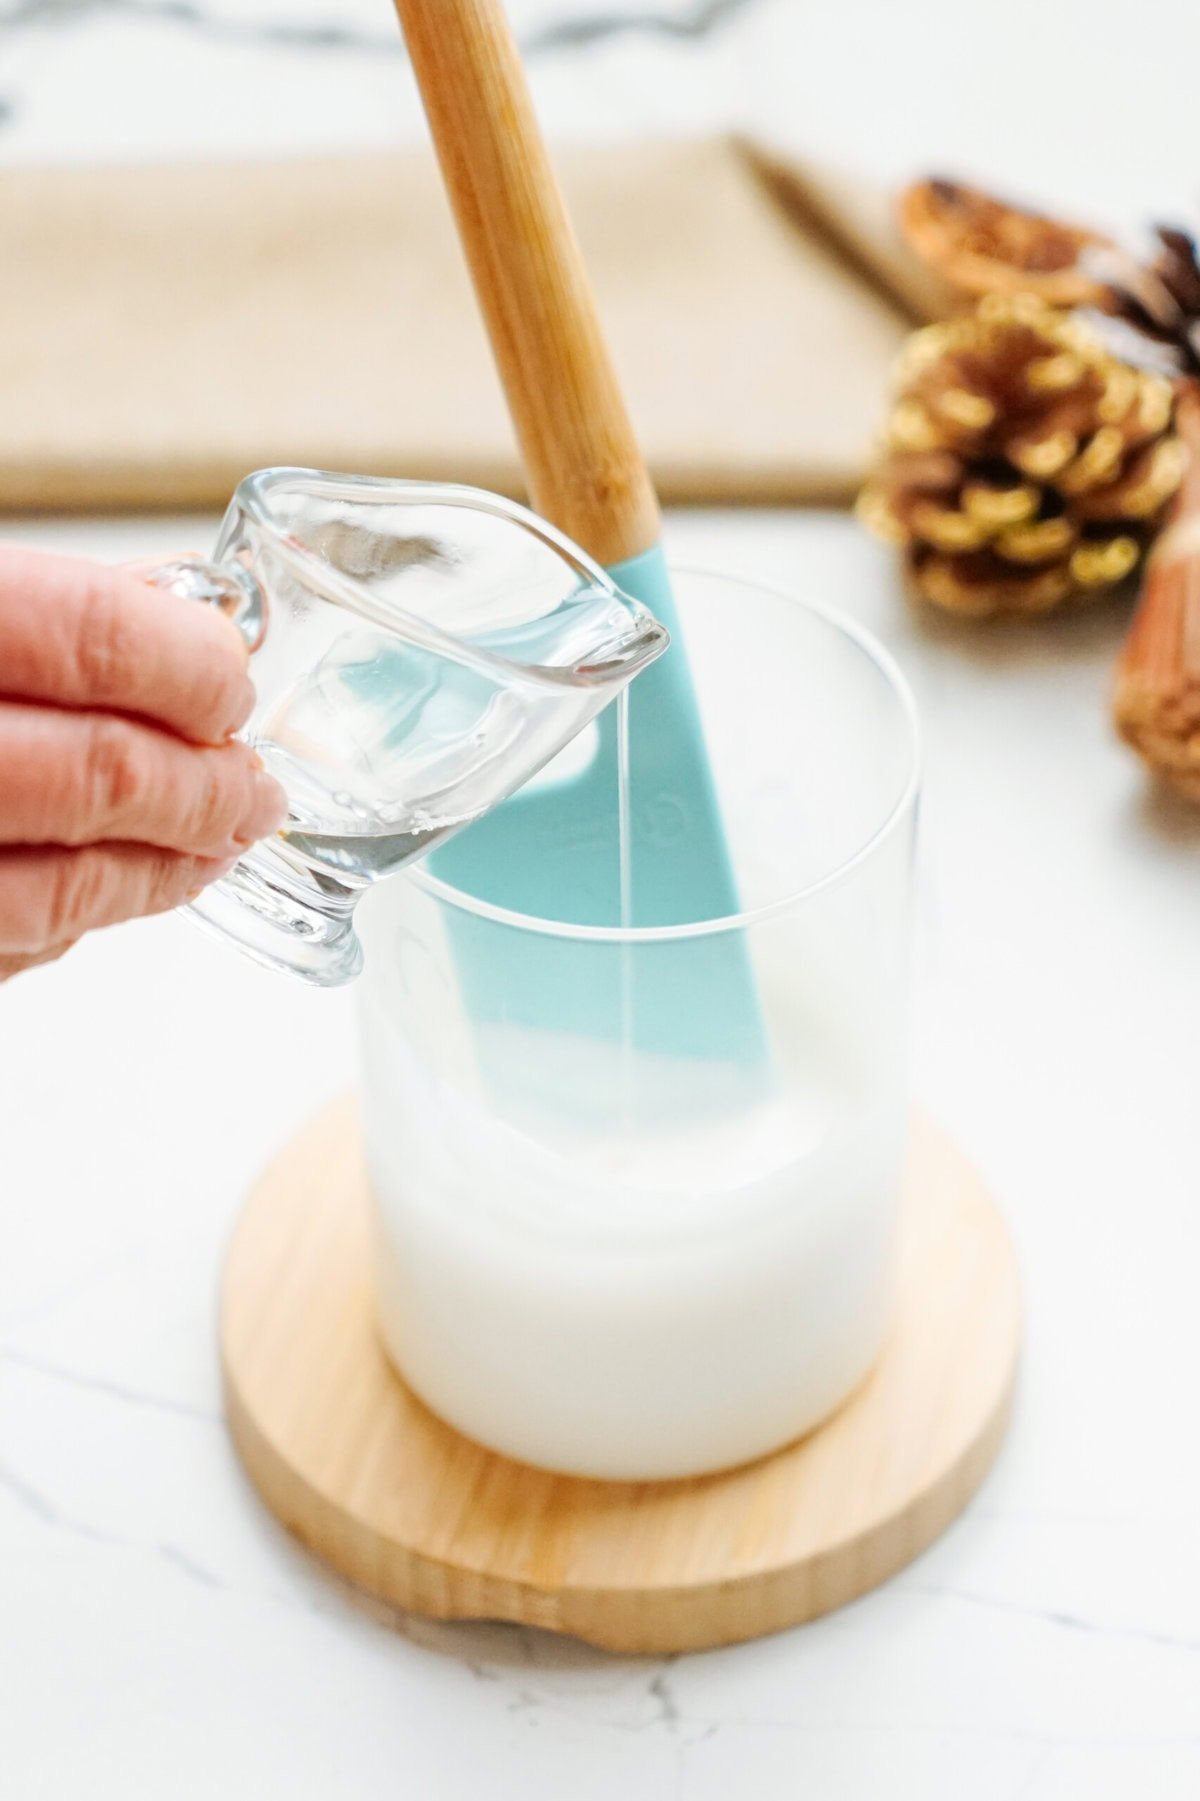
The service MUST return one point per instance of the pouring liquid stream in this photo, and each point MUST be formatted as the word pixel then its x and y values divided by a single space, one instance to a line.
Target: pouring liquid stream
pixel 625 857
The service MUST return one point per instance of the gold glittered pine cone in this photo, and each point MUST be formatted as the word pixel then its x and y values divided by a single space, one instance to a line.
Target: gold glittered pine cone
pixel 1024 464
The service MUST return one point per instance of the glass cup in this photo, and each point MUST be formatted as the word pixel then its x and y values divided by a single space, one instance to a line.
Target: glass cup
pixel 418 652
pixel 635 1185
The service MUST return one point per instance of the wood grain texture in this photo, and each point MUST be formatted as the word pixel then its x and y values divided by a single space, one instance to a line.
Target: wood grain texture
pixel 585 470
pixel 407 1509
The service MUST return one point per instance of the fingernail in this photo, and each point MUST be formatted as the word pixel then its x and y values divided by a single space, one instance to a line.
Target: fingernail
pixel 267 810
pixel 217 871
pixel 243 706
pixel 215 874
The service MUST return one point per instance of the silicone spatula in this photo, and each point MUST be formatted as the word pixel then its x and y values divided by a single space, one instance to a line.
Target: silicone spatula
pixel 552 850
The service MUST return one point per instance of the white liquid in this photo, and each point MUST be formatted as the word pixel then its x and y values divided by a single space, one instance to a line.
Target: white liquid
pixel 639 1304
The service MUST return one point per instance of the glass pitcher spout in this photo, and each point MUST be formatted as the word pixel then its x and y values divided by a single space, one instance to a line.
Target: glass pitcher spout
pixel 419 652
pixel 628 651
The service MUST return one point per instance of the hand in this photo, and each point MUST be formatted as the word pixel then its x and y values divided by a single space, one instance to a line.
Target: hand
pixel 120 790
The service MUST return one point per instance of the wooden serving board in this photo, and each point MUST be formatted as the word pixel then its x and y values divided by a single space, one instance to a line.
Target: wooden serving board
pixel 411 1511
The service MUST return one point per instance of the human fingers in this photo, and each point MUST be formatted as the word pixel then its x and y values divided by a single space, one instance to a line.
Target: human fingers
pixel 73 778
pixel 49 895
pixel 81 634
pixel 12 965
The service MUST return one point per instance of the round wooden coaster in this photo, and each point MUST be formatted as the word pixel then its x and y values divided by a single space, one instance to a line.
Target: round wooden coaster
pixel 409 1510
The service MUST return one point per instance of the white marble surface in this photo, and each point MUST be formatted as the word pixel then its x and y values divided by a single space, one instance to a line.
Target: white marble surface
pixel 158 1635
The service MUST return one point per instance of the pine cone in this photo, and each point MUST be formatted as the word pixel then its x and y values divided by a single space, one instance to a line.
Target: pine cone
pixel 1023 463
pixel 1161 300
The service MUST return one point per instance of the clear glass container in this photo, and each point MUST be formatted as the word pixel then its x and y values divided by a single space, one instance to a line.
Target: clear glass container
pixel 418 651
pixel 635 1184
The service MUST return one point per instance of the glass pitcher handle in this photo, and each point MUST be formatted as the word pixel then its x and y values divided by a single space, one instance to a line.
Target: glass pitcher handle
pixel 228 587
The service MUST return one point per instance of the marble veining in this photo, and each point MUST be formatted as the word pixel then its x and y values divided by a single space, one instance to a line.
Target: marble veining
pixel 575 30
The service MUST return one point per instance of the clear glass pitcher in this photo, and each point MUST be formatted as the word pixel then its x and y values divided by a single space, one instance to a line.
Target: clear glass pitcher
pixel 419 651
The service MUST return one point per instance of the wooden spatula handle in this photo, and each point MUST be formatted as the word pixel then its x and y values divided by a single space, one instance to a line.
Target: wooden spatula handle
pixel 585 471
